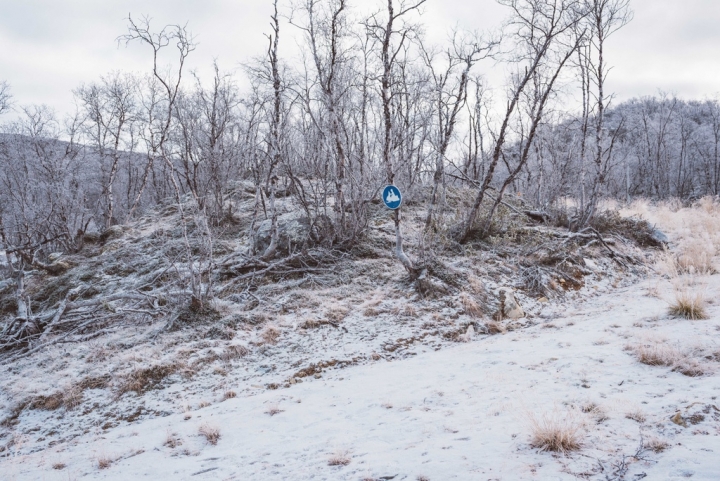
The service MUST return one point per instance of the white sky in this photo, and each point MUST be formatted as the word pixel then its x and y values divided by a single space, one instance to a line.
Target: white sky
pixel 50 47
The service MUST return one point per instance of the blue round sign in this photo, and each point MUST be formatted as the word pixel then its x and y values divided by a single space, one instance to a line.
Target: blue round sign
pixel 392 197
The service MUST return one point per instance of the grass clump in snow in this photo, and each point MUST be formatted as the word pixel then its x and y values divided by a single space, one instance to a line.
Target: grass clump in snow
pixel 656 445
pixel 470 306
pixel 340 458
pixel 104 462
pixel 143 378
pixel 661 354
pixel 557 431
pixel 210 433
pixel 270 334
pixel 688 304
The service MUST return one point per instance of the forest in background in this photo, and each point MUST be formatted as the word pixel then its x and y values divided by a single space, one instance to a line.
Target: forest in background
pixel 369 104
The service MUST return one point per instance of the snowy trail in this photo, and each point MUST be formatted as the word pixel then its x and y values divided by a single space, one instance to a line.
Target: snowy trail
pixel 458 413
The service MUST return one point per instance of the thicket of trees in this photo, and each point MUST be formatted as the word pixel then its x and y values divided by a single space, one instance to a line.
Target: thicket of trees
pixel 370 103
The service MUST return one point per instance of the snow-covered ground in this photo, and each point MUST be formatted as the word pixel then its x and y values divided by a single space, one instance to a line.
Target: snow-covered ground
pixel 463 412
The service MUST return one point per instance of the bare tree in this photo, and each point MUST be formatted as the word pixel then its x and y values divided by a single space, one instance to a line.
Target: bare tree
pixel 5 97
pixel 109 109
pixel 450 85
pixel 385 33
pixel 163 89
pixel 543 32
pixel 605 17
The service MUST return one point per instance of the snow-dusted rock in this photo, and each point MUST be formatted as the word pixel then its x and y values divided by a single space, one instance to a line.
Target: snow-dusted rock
pixel 509 306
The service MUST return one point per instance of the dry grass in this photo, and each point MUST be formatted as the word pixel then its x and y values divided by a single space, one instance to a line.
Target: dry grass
pixel 270 334
pixel 337 314
pixel 372 312
pixel 104 462
pixel 234 351
pixel 636 415
pixel 598 413
pixel 340 458
pixel 557 431
pixel 688 304
pixel 422 478
pixel 659 353
pixel 407 310
pixel 470 306
pixel 273 409
pixel 59 466
pixel 656 445
pixel 72 396
pixel 495 327
pixel 210 433
pixel 229 395
pixel 691 367
pixel 141 379
pixel 172 441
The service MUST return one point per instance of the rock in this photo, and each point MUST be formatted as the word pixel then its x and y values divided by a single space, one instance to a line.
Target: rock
pixel 112 232
pixel 591 264
pixel 293 232
pixel 54 256
pixel 658 237
pixel 509 306
pixel 58 267
pixel 679 420
pixel 543 300
pixel 469 334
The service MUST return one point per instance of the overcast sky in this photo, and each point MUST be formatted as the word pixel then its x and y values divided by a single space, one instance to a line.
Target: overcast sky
pixel 50 47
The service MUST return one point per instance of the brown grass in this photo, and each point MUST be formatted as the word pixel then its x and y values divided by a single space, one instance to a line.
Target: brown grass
pixel 273 410
pixel 557 432
pixel 598 413
pixel 340 458
pixel 211 433
pixel 172 441
pixel 371 312
pixel 59 466
pixel 104 462
pixel 690 367
pixel 636 415
pixel 270 334
pixel 656 445
pixel 495 327
pixel 337 314
pixel 657 354
pixel 72 396
pixel 229 395
pixel 234 351
pixel 690 305
pixel 143 378
pixel 470 306
pixel 661 354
